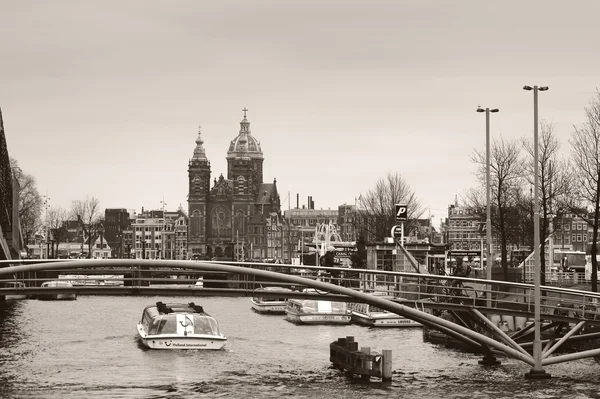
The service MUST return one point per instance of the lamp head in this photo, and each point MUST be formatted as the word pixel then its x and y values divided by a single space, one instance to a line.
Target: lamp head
pixel 480 109
pixel 494 110
pixel 543 88
pixel 527 88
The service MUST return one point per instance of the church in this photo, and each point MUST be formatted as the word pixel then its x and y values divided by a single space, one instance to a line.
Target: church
pixel 231 219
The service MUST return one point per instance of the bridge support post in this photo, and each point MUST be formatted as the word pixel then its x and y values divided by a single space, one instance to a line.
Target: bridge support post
pixel 489 360
pixel 537 375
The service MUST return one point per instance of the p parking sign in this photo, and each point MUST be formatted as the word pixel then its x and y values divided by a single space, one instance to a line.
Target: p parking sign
pixel 401 213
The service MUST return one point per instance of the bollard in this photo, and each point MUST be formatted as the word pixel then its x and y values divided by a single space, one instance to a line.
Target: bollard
pixel 366 363
pixel 386 367
pixel 344 355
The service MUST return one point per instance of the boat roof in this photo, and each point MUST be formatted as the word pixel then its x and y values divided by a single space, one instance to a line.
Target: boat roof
pixel 168 308
pixel 273 289
pixel 55 283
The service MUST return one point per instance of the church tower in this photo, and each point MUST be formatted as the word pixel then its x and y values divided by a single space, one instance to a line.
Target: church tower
pixel 245 163
pixel 198 198
pixel 245 171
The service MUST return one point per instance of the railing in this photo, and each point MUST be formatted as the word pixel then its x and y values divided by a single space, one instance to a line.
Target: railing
pixel 419 290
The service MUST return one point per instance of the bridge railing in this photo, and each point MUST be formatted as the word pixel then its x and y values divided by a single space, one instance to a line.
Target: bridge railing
pixel 406 287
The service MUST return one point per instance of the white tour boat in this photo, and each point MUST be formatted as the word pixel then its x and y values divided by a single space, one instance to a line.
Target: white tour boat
pixel 53 296
pixel 269 304
pixel 179 326
pixel 310 311
pixel 372 316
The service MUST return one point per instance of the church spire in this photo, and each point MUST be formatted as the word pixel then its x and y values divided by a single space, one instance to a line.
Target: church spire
pixel 244 124
pixel 199 153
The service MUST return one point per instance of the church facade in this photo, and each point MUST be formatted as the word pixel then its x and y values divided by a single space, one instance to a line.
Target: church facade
pixel 232 217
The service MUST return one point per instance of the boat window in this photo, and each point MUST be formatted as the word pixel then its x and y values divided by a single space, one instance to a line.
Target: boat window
pixel 324 306
pixel 338 306
pixel 146 320
pixel 309 306
pixel 163 326
pixel 375 309
pixel 205 325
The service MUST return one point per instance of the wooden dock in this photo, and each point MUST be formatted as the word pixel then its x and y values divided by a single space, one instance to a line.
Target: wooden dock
pixel 344 355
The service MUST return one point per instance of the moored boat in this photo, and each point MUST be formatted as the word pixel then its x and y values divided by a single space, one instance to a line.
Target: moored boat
pixel 16 285
pixel 54 296
pixel 179 326
pixel 310 311
pixel 372 316
pixel 269 304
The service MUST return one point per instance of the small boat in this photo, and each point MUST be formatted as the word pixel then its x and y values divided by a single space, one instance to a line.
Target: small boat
pixel 56 296
pixel 268 304
pixel 372 316
pixel 179 326
pixel 16 285
pixel 310 311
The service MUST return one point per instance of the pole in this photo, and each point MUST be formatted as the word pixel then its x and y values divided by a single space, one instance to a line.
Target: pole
pixel 401 234
pixel 302 248
pixel 537 344
pixel 550 224
pixel 481 253
pixel 488 218
pixel 537 371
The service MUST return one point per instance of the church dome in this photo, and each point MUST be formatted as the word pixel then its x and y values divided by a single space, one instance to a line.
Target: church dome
pixel 244 145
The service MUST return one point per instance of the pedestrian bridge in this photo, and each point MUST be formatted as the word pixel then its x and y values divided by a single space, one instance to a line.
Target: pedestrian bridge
pixel 489 317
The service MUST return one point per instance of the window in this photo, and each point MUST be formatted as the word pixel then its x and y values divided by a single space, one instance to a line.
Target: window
pixel 579 237
pixel 573 238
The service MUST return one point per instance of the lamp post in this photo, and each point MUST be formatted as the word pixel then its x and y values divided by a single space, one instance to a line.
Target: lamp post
pixel 164 229
pixel 263 225
pixel 537 372
pixel 47 227
pixel 488 218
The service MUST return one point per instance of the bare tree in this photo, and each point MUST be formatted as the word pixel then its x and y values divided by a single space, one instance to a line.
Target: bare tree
pixel 554 178
pixel 57 217
pixel 506 171
pixel 30 202
pixel 376 208
pixel 585 148
pixel 88 215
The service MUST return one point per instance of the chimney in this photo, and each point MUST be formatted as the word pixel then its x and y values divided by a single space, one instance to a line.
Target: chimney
pixel 297 201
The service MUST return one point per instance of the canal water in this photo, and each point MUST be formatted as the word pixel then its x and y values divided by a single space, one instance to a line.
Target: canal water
pixel 88 349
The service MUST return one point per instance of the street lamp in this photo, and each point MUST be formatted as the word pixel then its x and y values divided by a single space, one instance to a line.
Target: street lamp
pixel 264 224
pixel 488 219
pixel 164 230
pixel 537 372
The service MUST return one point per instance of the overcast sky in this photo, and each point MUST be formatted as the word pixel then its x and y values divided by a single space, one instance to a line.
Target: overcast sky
pixel 105 98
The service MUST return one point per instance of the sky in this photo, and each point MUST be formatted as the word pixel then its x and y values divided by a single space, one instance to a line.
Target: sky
pixel 104 99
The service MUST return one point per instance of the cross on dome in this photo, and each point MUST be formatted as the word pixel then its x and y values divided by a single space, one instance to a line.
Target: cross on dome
pixel 245 110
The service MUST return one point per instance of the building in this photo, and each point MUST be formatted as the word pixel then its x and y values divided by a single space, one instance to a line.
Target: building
pixel 346 222
pixel 571 232
pixel 221 217
pixel 116 221
pixel 147 228
pixel 11 238
pixel 463 233
pixel 175 235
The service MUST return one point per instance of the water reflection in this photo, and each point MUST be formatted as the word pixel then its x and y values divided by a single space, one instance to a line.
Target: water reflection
pixel 11 332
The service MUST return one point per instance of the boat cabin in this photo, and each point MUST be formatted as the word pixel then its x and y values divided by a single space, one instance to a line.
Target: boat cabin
pixel 162 319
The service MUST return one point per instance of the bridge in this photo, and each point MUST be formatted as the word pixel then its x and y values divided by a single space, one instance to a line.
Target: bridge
pixel 473 312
